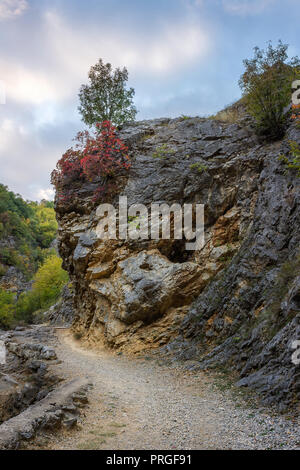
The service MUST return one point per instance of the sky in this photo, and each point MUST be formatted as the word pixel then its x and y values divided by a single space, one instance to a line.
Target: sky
pixel 183 57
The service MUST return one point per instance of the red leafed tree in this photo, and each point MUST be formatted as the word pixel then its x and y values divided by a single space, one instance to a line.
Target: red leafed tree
pixel 101 155
pixel 68 169
pixel 104 154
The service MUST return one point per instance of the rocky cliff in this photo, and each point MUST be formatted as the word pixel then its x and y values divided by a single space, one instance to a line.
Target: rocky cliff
pixel 234 303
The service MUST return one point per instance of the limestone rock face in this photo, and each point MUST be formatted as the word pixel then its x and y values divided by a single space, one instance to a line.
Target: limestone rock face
pixel 25 377
pixel 14 281
pixel 235 302
pixel 145 286
pixel 62 313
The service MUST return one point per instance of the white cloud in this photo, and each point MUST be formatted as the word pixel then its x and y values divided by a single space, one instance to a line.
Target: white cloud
pixel 246 7
pixel 6 133
pixel 39 193
pixel 27 159
pixel 12 8
pixel 171 47
pixel 26 85
pixel 156 53
pixel 41 100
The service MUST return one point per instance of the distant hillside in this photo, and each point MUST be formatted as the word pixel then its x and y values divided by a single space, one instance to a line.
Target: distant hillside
pixel 27 230
pixel 31 277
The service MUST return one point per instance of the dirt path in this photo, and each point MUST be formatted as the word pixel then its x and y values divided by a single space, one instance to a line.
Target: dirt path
pixel 140 404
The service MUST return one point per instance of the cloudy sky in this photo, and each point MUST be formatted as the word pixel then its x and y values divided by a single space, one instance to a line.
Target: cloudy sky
pixel 183 57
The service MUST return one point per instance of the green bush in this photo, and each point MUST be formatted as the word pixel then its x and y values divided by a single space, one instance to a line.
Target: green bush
pixel 6 309
pixel 292 163
pixel 2 270
pixel 47 286
pixel 46 222
pixel 266 85
pixel 163 151
pixel 27 304
pixel 200 167
pixel 49 281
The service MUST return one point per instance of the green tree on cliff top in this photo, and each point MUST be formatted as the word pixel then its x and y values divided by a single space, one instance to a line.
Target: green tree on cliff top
pixel 266 84
pixel 106 98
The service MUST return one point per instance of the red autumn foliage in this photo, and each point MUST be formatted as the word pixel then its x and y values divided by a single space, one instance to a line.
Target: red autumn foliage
pixel 105 154
pixel 104 191
pixel 102 155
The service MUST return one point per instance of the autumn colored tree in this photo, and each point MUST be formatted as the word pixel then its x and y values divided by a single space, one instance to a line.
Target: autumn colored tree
pixel 106 98
pixel 47 286
pixel 98 156
pixel 49 281
pixel 104 154
pixel 266 85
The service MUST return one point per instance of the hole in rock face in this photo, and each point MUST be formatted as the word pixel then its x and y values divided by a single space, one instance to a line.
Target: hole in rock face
pixel 176 251
pixel 296 300
pixel 145 266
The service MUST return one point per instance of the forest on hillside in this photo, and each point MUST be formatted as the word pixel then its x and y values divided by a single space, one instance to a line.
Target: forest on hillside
pixel 27 232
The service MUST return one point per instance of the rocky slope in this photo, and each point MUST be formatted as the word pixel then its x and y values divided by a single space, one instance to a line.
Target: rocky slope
pixel 34 400
pixel 61 313
pixel 236 302
pixel 24 376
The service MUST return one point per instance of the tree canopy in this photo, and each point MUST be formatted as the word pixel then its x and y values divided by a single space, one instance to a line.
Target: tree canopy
pixel 266 84
pixel 106 98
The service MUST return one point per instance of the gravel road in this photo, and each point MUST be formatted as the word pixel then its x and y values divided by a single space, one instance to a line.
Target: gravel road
pixel 141 403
